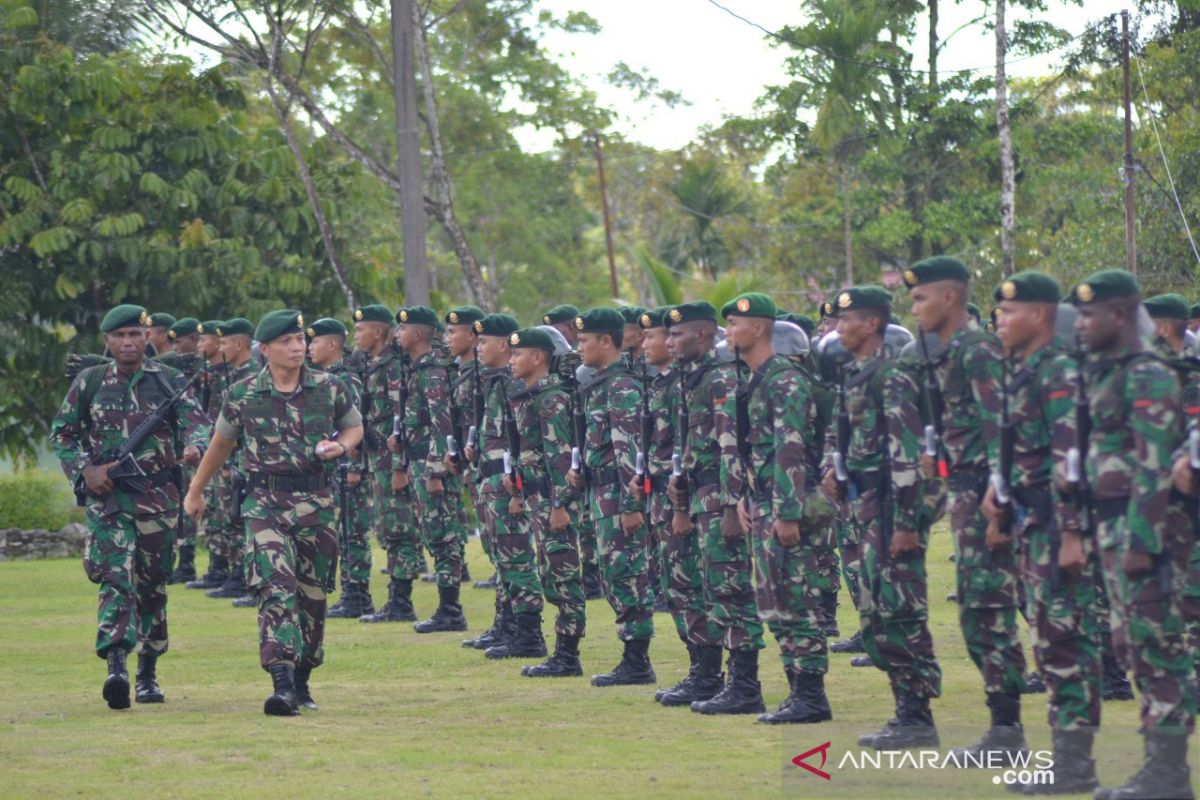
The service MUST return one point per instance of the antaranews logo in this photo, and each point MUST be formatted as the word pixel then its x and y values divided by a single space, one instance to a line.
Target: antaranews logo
pixel 800 761
pixel 1025 767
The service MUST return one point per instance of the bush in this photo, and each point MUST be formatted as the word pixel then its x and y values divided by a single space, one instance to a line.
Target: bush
pixel 37 498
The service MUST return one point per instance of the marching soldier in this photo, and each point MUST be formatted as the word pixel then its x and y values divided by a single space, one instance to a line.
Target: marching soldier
pixel 130 521
pixel 290 420
pixel 208 347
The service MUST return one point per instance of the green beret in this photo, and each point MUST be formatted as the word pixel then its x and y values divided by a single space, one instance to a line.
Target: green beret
pixel 935 269
pixel 235 326
pixel 209 327
pixel 1167 306
pixel 600 320
pixel 326 326
pixel 278 323
pixel 750 304
pixel 803 321
pixel 496 325
pixel 690 312
pixel 374 313
pixel 531 337
pixel 124 316
pixel 160 320
pixel 184 327
pixel 1028 287
pixel 1194 313
pixel 418 315
pixel 563 313
pixel 974 311
pixel 464 315
pixel 857 298
pixel 653 318
pixel 631 314
pixel 1107 284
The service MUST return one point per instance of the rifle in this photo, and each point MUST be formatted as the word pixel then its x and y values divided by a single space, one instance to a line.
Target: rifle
pixel 1077 455
pixel 937 405
pixel 842 435
pixel 1000 478
pixel 125 471
pixel 399 428
pixel 741 401
pixel 512 456
pixel 364 408
pixel 683 422
pixel 476 411
pixel 646 421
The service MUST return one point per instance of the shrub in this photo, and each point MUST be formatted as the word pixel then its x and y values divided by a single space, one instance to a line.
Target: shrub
pixel 36 498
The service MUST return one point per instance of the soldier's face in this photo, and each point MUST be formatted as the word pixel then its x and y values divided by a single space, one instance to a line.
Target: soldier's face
pixel 187 344
pixel 128 346
pixel 525 361
pixel 655 343
pixel 325 350
pixel 567 329
pixel 158 337
pixel 1097 326
pixel 208 346
pixel 596 349
pixel 407 336
pixel 285 352
pixel 632 339
pixel 856 329
pixel 1018 324
pixel 368 335
pixel 744 332
pixel 493 351
pixel 232 346
pixel 460 339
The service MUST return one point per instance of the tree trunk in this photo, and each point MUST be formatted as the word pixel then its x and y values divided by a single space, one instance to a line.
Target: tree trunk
pixel 1007 180
pixel 408 161
pixel 933 46
pixel 847 227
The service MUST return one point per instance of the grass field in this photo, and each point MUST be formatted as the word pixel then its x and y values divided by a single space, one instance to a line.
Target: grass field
pixel 408 715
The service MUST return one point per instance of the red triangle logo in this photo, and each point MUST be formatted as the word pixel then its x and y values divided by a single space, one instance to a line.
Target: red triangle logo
pixel 823 749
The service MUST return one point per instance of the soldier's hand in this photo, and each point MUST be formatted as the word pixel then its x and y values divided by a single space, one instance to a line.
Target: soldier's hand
pixel 675 494
pixel 735 521
pixel 469 453
pixel 787 531
pixel 635 488
pixel 393 444
pixel 450 464
pixel 559 519
pixel 516 505
pixel 328 450
pixel 994 539
pixel 1183 476
pixel 989 508
pixel 681 523
pixel 399 481
pixel 904 542
pixel 434 486
pixel 194 505
pixel 97 480
pixel 575 479
pixel 1134 563
pixel 830 484
pixel 354 478
pixel 928 467
pixel 191 455
pixel 509 486
pixel 631 521
pixel 1071 558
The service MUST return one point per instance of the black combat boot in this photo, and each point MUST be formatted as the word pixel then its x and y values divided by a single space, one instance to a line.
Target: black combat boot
pixel 304 697
pixel 338 609
pixel 742 694
pixel 486 583
pixel 398 607
pixel 1074 770
pixel 218 571
pixel 147 690
pixel 707 682
pixel 503 626
pixel 234 586
pixel 807 702
pixel 1114 686
pixel 116 685
pixel 911 727
pixel 283 702
pixel 249 600
pixel 852 645
pixel 862 661
pixel 448 616
pixel 185 570
pixel 355 602
pixel 829 605
pixel 686 683
pixel 563 664
pixel 466 574
pixel 1165 775
pixel 1005 734
pixel 634 668
pixel 528 641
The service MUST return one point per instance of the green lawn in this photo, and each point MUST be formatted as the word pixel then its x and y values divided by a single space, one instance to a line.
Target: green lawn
pixel 403 714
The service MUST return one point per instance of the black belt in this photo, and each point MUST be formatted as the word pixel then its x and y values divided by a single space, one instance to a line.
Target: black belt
pixel 968 479
pixel 491 469
pixel 658 483
pixel 866 481
pixel 1036 499
pixel 1111 508
pixel 286 483
pixel 603 477
pixel 698 478
pixel 539 486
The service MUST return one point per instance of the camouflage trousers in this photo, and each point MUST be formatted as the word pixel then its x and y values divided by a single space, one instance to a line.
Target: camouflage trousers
pixel 354 545
pixel 623 573
pixel 1187 589
pixel 513 552
pixel 828 576
pixel 986 584
pixel 726 573
pixel 185 531
pixel 440 524
pixel 850 553
pixel 894 610
pixel 787 592
pixel 558 569
pixel 217 530
pixel 679 577
pixel 589 559
pixel 1148 633
pixel 1064 628
pixel 395 524
pixel 130 558
pixel 292 550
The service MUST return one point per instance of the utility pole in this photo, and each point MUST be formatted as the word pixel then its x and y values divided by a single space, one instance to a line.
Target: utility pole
pixel 1128 171
pixel 608 239
pixel 1007 176
pixel 408 150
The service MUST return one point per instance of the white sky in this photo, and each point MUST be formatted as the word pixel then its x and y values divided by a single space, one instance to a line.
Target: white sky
pixel 722 64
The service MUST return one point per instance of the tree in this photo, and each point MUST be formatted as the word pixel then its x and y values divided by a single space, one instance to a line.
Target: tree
pixel 706 197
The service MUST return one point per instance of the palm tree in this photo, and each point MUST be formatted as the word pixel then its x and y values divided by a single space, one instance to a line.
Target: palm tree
pixel 705 196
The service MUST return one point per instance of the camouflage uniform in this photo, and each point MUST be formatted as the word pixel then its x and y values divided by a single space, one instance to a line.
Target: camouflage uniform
pixel 462 389
pixel 130 536
pixel 293 546
pixel 355 551
pixel 231 534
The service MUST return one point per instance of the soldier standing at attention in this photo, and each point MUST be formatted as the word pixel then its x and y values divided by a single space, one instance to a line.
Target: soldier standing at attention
pixel 562 319
pixel 1136 425
pixel 291 419
pixel 184 336
pixel 966 405
pixel 631 338
pixel 130 528
pixel 208 347
pixel 609 458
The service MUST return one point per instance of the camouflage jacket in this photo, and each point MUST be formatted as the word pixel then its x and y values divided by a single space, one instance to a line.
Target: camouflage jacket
pixel 351 379
pixel 80 434
pixel 427 414
pixel 611 406
pixel 543 414
pixel 968 372
pixel 664 409
pixel 208 389
pixel 381 393
pixel 1133 399
pixel 493 440
pixel 782 471
pixel 462 399
pixel 708 446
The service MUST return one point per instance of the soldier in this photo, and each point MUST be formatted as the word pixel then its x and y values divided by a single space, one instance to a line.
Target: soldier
pixel 964 396
pixel 656 442
pixel 562 319
pixel 786 515
pixel 236 353
pixel 609 464
pixel 393 510
pixel 290 419
pixel 544 498
pixel 130 523
pixel 157 333
pixel 184 336
pixel 421 446
pixel 1193 324
pixel 208 347
pixel 710 558
pixel 1135 426
pixel 326 348
pixel 631 340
